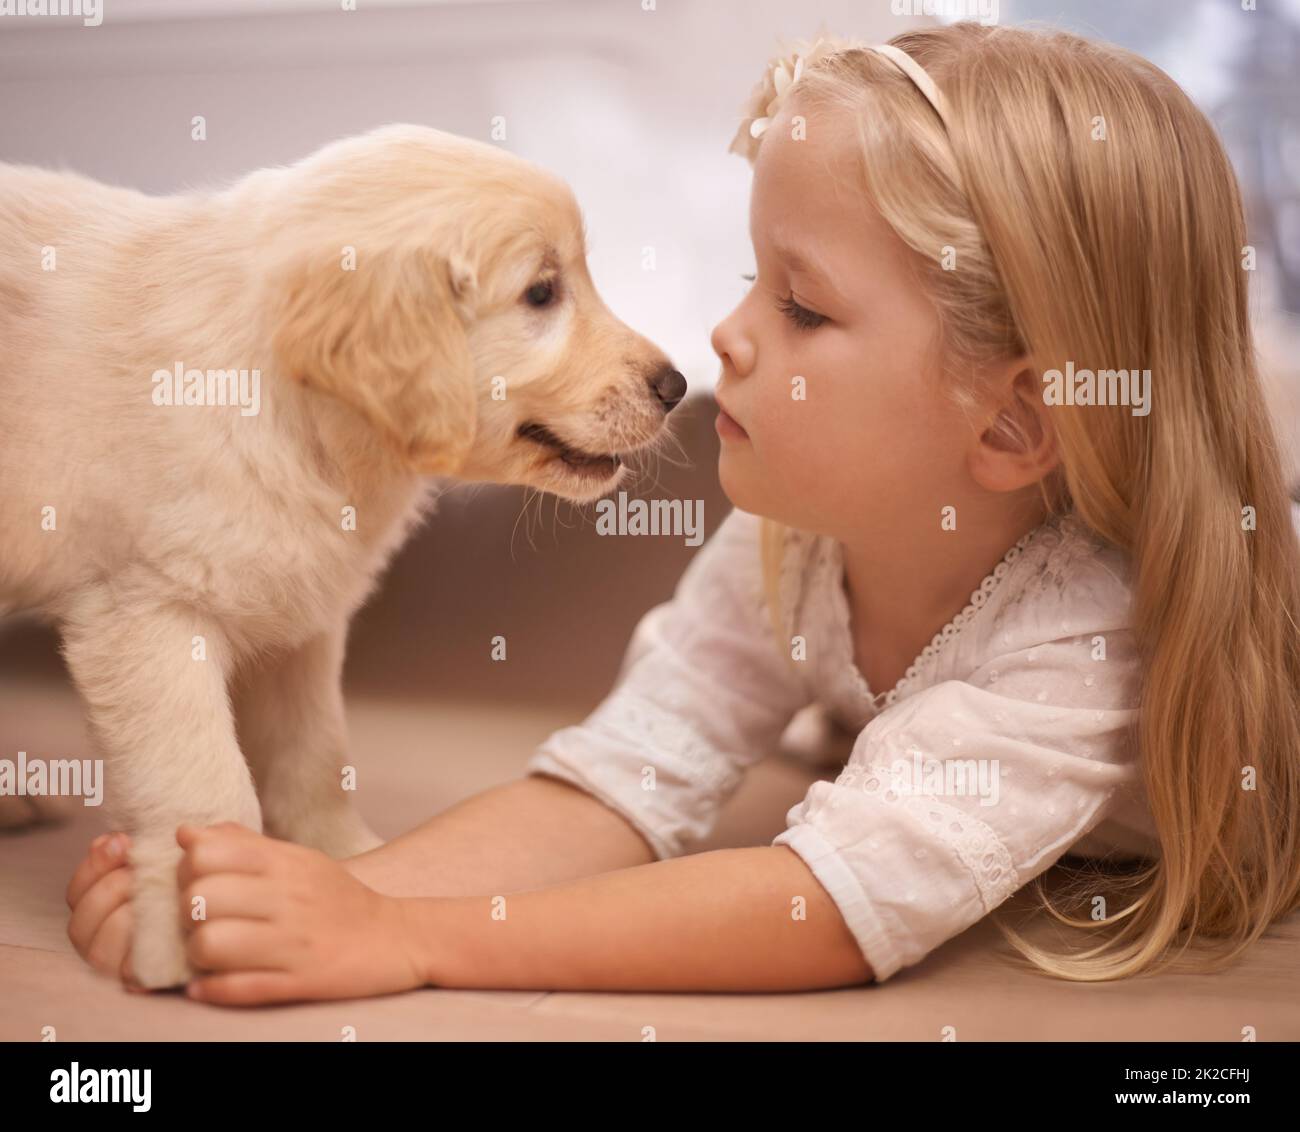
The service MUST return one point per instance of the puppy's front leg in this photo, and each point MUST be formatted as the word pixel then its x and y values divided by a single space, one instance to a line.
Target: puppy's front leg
pixel 154 682
pixel 291 728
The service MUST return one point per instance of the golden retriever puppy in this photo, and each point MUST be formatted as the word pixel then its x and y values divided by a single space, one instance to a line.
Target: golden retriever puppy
pixel 400 305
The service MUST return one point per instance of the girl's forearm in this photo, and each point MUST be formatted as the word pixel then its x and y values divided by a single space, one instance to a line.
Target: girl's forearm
pixel 524 834
pixel 729 920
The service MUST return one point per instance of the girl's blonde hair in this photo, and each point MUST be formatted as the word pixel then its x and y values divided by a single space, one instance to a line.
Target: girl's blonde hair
pixel 1095 218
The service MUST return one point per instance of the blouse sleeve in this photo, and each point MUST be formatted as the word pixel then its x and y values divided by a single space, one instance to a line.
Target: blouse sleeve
pixel 960 794
pixel 703 692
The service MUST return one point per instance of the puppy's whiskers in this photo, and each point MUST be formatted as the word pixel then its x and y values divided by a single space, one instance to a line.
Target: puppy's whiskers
pixel 530 494
pixel 646 462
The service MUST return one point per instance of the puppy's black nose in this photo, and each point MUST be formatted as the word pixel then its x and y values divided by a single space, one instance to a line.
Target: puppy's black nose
pixel 669 387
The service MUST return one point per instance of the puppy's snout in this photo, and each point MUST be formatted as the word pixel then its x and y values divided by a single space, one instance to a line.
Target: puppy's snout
pixel 669 386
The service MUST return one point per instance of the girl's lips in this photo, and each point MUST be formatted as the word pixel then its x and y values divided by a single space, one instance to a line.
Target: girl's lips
pixel 727 427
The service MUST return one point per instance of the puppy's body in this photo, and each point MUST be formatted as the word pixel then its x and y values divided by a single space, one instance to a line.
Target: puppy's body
pixel 202 564
pixel 199 503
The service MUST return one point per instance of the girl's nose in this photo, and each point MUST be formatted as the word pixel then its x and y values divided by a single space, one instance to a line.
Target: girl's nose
pixel 732 345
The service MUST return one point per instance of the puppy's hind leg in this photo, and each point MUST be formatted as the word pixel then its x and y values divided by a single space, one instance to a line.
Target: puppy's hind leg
pixel 160 715
pixel 292 730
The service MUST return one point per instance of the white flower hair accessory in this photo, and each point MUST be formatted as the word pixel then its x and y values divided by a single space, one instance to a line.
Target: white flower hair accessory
pixel 785 71
pixel 782 73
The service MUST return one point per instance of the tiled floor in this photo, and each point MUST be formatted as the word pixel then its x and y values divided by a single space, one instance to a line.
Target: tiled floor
pixel 420 759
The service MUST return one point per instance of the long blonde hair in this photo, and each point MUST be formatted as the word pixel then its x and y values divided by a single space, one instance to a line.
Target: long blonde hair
pixel 1128 252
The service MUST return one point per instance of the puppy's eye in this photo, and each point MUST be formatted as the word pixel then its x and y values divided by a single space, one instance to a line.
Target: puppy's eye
pixel 540 294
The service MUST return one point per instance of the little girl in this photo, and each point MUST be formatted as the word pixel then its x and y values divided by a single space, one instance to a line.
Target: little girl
pixel 1056 623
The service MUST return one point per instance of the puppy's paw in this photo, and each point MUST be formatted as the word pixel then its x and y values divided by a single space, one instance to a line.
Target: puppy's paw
pixel 158 947
pixel 158 959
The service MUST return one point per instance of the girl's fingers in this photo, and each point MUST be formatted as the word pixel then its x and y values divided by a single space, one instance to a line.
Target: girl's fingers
pixel 226 896
pixel 189 834
pixel 227 851
pixel 224 945
pixel 111 892
pixel 111 945
pixel 107 852
pixel 245 988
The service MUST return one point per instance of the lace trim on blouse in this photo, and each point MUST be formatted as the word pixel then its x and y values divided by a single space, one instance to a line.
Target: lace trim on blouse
pixel 803 553
pixel 976 845
pixel 644 724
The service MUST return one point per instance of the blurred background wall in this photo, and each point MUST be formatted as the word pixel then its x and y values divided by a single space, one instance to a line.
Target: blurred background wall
pixel 635 108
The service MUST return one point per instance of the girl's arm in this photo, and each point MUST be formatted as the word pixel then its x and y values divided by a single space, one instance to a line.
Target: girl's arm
pixel 729 920
pixel 527 834
pixel 275 922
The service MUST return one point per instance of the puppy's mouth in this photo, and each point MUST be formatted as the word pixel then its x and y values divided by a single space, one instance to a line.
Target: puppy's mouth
pixel 597 465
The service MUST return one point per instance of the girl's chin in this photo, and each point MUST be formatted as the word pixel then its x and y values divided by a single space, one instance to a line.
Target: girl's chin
pixel 736 477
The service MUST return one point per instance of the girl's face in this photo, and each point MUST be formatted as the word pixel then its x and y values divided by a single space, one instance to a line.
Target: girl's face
pixel 865 437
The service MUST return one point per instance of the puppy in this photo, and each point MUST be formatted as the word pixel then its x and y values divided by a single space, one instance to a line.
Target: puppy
pixel 402 305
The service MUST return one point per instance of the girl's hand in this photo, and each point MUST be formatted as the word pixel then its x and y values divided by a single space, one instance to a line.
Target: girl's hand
pixel 276 922
pixel 99 895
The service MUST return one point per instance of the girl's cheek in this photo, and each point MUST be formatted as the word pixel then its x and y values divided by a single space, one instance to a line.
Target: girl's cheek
pixel 782 403
pixel 792 443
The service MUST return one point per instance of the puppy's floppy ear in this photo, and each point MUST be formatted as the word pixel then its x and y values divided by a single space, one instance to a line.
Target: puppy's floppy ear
pixel 387 338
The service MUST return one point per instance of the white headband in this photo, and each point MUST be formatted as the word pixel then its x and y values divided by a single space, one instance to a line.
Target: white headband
pixel 914 71
pixel 784 77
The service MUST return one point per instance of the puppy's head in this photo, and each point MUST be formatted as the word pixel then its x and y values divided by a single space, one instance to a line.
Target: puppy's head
pixel 439 287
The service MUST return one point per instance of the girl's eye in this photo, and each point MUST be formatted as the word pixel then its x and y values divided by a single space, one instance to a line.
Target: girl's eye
pixel 749 278
pixel 802 317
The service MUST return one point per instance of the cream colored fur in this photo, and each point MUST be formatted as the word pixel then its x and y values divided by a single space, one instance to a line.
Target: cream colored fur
pixel 196 531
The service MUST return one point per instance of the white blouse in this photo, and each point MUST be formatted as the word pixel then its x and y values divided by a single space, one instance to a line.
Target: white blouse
pixel 1006 745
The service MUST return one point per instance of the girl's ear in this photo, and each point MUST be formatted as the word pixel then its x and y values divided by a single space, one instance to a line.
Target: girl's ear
pixel 1016 446
pixel 387 338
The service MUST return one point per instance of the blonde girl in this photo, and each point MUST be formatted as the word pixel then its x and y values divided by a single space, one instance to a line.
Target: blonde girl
pixel 1055 624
